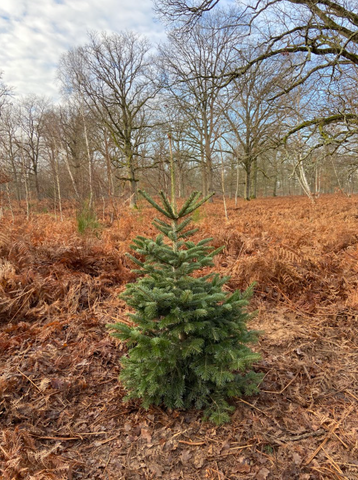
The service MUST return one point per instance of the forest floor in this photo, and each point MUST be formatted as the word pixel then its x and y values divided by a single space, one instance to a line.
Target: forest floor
pixel 61 409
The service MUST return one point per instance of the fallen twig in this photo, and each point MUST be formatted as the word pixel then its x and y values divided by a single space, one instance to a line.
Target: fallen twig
pixel 328 436
pixel 192 443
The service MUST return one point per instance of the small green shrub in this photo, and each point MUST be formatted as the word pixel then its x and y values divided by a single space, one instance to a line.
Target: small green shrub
pixel 87 220
pixel 188 346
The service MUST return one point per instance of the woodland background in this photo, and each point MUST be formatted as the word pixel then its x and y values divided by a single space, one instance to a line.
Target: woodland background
pixel 255 100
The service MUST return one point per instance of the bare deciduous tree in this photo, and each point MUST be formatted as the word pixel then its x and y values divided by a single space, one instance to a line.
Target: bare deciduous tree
pixel 253 119
pixel 321 36
pixel 32 115
pixel 112 76
pixel 192 66
pixel 5 93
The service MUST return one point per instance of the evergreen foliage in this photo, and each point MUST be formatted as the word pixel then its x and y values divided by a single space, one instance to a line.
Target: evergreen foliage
pixel 189 343
pixel 87 220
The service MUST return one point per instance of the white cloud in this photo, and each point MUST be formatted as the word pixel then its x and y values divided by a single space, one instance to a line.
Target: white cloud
pixel 34 34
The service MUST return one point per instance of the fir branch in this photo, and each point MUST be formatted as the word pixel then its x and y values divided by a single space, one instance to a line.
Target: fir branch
pixel 164 230
pixel 192 199
pixel 154 203
pixel 135 260
pixel 216 251
pixel 160 222
pixel 205 241
pixel 197 205
pixel 162 226
pixel 182 225
pixel 167 205
pixel 189 233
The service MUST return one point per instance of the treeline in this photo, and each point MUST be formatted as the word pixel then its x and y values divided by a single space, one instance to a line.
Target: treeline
pixel 233 116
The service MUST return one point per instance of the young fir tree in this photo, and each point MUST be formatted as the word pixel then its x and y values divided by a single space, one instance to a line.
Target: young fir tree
pixel 188 346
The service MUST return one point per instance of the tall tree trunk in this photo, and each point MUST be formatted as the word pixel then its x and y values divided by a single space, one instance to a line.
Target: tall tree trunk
pixel 248 180
pixel 109 179
pixel 132 181
pixel 209 168
pixel 274 190
pixel 27 190
pixel 317 179
pixel 223 182
pixel 67 163
pixel 204 175
pixel 15 176
pixel 301 176
pixel 57 174
pixel 237 180
pixel 275 178
pixel 89 159
pixel 37 184
pixel 10 204
pixel 254 182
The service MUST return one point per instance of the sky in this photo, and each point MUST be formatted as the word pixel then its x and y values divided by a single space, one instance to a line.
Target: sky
pixel 35 33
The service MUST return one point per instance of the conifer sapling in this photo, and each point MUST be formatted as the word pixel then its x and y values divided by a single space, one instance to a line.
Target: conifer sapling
pixel 189 343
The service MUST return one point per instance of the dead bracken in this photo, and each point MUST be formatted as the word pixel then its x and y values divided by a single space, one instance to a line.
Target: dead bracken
pixel 61 415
